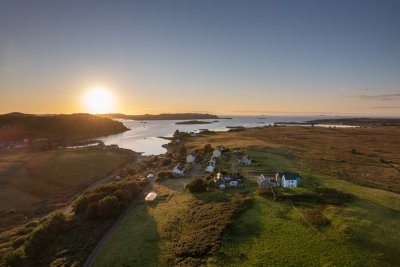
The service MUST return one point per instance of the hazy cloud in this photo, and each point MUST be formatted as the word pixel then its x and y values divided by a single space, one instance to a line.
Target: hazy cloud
pixel 387 107
pixel 389 97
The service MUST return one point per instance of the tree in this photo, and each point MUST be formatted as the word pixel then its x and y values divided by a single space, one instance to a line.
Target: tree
pixel 197 185
pixel 210 184
pixel 91 211
pixel 107 207
pixel 207 148
pixel 166 162
pixel 176 134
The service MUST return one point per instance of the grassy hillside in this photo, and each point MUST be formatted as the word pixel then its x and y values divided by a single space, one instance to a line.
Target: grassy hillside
pixel 32 182
pixel 17 126
pixel 364 156
pixel 351 223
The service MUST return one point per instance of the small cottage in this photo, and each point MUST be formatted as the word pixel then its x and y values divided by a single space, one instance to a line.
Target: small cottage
pixel 210 168
pixel 217 152
pixel 178 170
pixel 150 177
pixel 288 179
pixel 211 165
pixel 246 160
pixel 190 158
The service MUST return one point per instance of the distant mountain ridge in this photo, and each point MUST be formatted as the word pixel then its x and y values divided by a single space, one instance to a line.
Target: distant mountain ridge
pixel 164 116
pixel 16 126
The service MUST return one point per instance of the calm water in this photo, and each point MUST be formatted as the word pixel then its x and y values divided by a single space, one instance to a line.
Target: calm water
pixel 143 136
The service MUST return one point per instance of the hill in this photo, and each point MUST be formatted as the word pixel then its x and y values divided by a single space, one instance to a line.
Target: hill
pixel 164 116
pixel 17 126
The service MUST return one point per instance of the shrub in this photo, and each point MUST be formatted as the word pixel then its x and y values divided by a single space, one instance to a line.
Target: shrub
pixel 43 235
pixel 188 167
pixel 130 171
pixel 80 204
pixel 166 162
pixel 143 183
pixel 265 192
pixel 182 151
pixel 107 207
pixel 91 211
pixel 207 149
pixel 197 185
pixel 315 217
pixel 15 258
pixel 132 187
pixel 210 184
pixel 165 175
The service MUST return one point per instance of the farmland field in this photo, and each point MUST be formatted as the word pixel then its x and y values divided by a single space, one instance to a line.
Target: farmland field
pixel 32 181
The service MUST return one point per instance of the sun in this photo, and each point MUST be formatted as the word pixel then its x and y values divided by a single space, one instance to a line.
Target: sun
pixel 98 100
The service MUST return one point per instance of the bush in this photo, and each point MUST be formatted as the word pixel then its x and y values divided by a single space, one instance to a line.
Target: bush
pixel 210 184
pixel 207 149
pixel 165 175
pixel 80 204
pixel 42 236
pixel 91 211
pixel 107 207
pixel 265 192
pixel 132 187
pixel 166 162
pixel 197 185
pixel 14 258
pixel 188 167
pixel 130 171
pixel 315 217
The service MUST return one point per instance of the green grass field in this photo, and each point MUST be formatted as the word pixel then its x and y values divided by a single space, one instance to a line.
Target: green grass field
pixel 271 234
pixel 362 232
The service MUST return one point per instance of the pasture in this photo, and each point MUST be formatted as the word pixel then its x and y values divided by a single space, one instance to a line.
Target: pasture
pixel 363 231
pixel 35 182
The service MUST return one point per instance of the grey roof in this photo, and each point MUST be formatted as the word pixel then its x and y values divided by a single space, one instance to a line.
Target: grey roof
pixel 290 175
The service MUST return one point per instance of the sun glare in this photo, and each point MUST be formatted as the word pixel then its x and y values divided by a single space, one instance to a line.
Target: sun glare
pixel 98 100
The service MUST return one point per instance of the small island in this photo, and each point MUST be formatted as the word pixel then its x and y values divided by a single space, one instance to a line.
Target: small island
pixel 193 122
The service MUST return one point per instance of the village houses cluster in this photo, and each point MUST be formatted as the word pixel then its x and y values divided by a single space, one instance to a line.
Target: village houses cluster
pixel 282 179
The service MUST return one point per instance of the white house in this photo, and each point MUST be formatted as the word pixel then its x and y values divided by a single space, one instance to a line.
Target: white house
pixel 150 177
pixel 211 165
pixel 288 179
pixel 210 168
pixel 217 152
pixel 190 158
pixel 178 170
pixel 246 160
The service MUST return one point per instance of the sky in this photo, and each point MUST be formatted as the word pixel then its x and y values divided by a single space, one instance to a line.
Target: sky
pixel 222 57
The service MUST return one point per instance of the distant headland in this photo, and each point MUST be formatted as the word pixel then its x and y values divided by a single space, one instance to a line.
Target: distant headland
pixel 16 126
pixel 164 116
